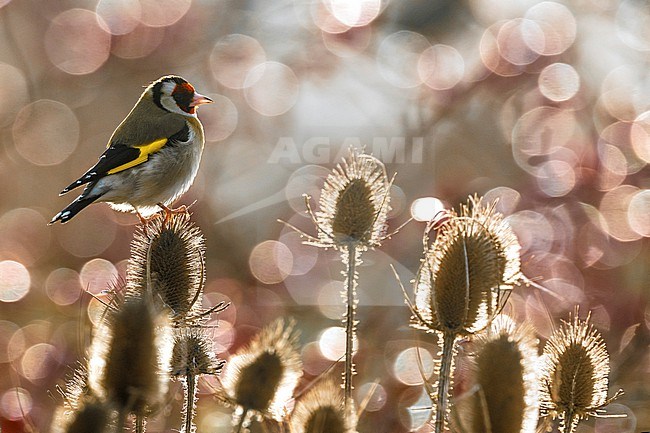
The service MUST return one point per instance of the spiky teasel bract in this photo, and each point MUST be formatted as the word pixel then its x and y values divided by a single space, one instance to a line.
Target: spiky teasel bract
pixel 262 376
pixel 193 354
pixel 167 260
pixel 81 411
pixel 129 358
pixel 322 410
pixel 473 259
pixel 575 370
pixel 505 372
pixel 354 204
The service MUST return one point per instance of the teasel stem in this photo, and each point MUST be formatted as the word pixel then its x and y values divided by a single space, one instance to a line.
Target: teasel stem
pixel 121 420
pixel 242 420
pixel 190 401
pixel 350 289
pixel 139 423
pixel 444 379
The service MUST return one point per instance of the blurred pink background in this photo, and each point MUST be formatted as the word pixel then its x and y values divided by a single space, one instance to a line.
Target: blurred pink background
pixel 544 105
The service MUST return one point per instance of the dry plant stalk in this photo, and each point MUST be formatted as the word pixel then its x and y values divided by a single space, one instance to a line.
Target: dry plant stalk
pixel 354 205
pixel 459 287
pixel 261 377
pixel 575 371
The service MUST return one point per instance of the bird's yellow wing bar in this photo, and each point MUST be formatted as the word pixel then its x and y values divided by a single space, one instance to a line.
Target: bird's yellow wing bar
pixel 145 150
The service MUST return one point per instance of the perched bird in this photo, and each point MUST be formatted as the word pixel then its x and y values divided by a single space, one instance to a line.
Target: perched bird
pixel 152 157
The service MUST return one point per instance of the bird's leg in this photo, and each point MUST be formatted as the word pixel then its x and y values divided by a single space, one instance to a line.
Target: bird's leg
pixel 143 220
pixel 168 214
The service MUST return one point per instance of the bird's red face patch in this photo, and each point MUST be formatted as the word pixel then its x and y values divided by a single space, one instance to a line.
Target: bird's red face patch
pixel 183 94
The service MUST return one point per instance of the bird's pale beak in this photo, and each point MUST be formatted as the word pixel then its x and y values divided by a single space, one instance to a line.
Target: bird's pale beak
pixel 199 99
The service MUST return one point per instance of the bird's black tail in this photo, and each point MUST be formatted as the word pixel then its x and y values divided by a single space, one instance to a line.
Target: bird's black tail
pixel 73 209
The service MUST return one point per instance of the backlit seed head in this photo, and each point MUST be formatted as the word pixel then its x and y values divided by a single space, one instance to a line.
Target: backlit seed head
pixel 193 354
pixel 505 371
pixel 129 357
pixel 575 370
pixel 167 260
pixel 474 258
pixel 90 416
pixel 354 203
pixel 322 410
pixel 262 376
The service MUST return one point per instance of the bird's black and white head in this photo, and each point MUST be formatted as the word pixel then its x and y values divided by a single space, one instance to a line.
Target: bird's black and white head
pixel 174 94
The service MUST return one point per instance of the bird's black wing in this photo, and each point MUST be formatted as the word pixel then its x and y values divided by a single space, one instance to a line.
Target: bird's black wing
pixel 116 158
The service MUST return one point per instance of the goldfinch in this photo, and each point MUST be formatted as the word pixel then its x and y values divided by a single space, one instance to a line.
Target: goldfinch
pixel 151 158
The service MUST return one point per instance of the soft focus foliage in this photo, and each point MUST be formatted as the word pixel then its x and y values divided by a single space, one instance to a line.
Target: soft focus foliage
pixel 541 104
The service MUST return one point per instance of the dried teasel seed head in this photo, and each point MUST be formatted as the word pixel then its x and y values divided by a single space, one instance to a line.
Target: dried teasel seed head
pixel 262 376
pixel 91 416
pixel 505 369
pixel 474 258
pixel 575 370
pixel 322 410
pixel 193 354
pixel 354 203
pixel 167 259
pixel 130 355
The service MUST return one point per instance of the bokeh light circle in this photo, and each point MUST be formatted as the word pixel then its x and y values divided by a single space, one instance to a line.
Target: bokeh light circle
pixel 559 82
pixel 638 213
pixel 412 364
pixel 614 208
pixel 640 136
pixel 308 179
pixel 232 58
pixel 271 262
pixel 13 92
pixel 141 42
pixel 556 178
pixel 98 233
pixel 398 57
pixel 441 67
pixel 426 208
pixel 332 343
pixel 162 13
pixel 46 132
pixel 120 16
pixel 63 286
pixel 557 24
pixel 632 24
pixel 98 275
pixel 354 13
pixel 219 118
pixel 271 88
pixel 519 41
pixel 14 281
pixel 25 236
pixel 16 403
pixel 37 360
pixel 77 41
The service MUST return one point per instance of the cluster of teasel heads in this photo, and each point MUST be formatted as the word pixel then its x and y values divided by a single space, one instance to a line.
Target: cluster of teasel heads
pixel 154 330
